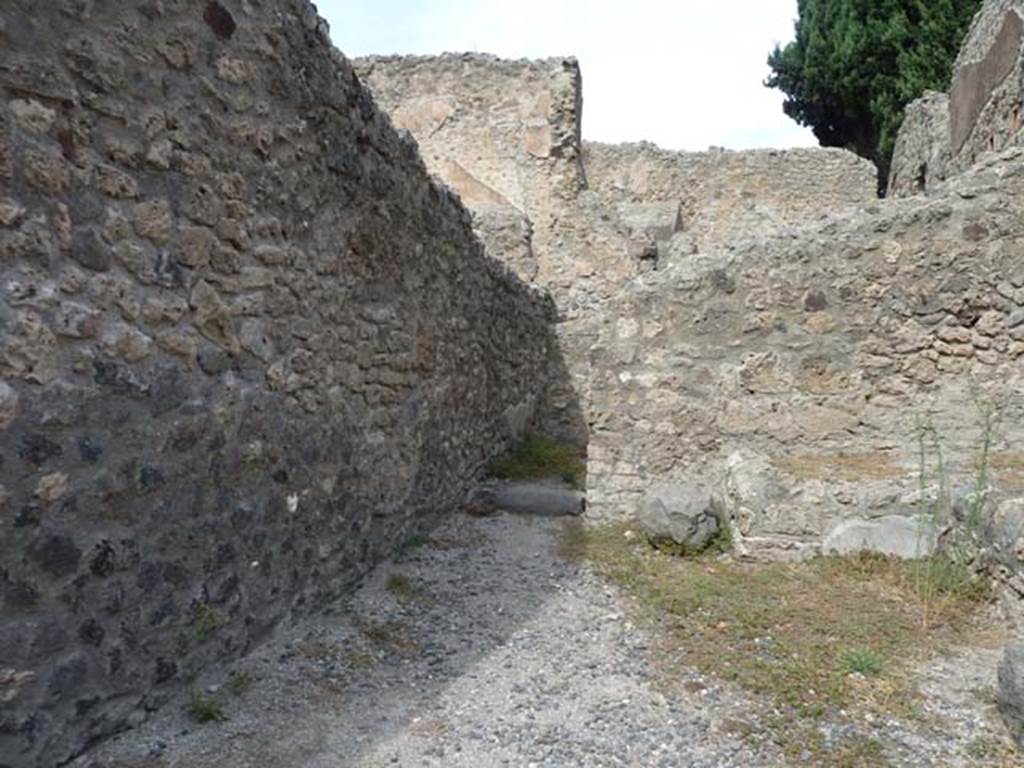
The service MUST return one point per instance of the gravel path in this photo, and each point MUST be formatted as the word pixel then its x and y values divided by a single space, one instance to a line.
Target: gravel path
pixel 481 648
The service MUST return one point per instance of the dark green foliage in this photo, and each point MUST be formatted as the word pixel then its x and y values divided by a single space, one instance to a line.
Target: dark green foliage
pixel 204 709
pixel 855 65
pixel 538 456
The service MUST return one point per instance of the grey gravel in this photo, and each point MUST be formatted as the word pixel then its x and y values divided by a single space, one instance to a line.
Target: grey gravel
pixel 485 648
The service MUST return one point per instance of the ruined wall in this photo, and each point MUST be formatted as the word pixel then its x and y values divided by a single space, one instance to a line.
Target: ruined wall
pixel 505 135
pixel 582 221
pixel 985 96
pixel 247 347
pixel 984 112
pixel 922 156
pixel 725 196
pixel 500 133
pixel 787 374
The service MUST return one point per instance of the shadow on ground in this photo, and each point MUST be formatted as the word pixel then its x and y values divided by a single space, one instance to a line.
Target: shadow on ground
pixel 480 647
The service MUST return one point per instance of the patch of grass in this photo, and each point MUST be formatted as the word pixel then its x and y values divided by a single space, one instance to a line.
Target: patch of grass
pixel 402 587
pixel 239 681
pixel 537 457
pixel 993 752
pixel 719 544
pixel 206 620
pixel 358 660
pixel 862 661
pixel 859 752
pixel 774 628
pixel 204 709
pixel 389 636
pixel 415 542
pixel 942 578
pixel 318 650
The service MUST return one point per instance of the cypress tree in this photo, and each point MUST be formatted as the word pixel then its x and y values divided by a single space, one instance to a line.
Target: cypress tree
pixel 855 65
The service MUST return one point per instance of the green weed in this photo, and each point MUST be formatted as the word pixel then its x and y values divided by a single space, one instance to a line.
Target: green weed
pixel 239 681
pixel 862 661
pixel 204 709
pixel 537 457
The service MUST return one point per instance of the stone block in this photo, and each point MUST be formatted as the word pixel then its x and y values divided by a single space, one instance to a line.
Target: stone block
pixel 905 537
pixel 545 499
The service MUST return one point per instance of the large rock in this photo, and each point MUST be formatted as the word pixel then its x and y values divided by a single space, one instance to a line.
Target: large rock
pixel 1010 693
pixel 681 514
pixel 906 537
pixel 753 493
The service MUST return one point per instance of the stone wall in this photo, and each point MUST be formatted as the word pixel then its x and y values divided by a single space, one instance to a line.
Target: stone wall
pixel 922 156
pixel 583 221
pixel 725 196
pixel 788 374
pixel 985 108
pixel 248 348
pixel 505 135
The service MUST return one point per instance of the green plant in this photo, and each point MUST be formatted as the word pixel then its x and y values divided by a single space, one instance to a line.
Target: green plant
pixel 206 620
pixel 359 660
pixel 538 456
pixel 239 681
pixel 723 541
pixel 402 587
pixel 989 414
pixel 204 709
pixel 415 542
pixel 947 571
pixel 719 544
pixel 855 65
pixel 861 660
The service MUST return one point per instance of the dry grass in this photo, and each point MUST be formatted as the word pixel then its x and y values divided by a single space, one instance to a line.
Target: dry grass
pixel 389 636
pixel 402 587
pixel 319 650
pixel 444 542
pixel 848 467
pixel 787 632
pixel 1008 468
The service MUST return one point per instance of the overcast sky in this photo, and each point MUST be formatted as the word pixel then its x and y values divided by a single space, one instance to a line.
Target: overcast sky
pixel 685 74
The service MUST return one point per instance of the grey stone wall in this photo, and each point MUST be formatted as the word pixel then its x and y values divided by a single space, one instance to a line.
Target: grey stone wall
pixel 922 156
pixel 985 108
pixel 726 196
pixel 985 95
pixel 247 348
pixel 787 375
pixel 506 136
pixel 499 131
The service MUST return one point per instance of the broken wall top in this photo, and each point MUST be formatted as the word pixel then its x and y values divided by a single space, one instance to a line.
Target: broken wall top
pixel 733 195
pixel 499 132
pixel 984 112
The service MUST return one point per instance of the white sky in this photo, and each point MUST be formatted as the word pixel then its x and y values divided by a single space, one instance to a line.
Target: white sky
pixel 684 74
